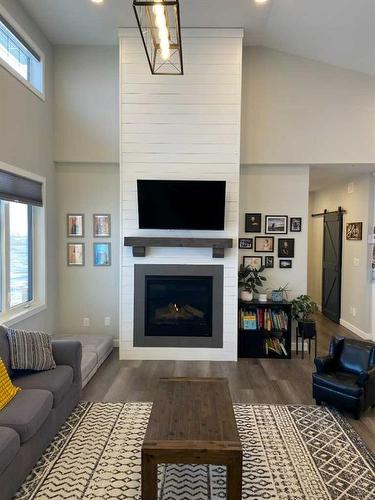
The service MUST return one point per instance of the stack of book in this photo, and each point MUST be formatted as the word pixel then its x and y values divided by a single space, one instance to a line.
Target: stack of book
pixel 274 345
pixel 263 319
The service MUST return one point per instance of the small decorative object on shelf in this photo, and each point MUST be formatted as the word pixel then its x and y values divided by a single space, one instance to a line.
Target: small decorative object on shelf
pixel 262 297
pixel 249 279
pixel 280 293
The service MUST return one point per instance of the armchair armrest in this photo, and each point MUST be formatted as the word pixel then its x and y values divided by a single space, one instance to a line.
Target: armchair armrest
pixel 325 364
pixel 365 376
pixel 69 352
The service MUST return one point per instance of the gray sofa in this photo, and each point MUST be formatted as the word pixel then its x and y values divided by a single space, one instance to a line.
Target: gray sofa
pixel 30 421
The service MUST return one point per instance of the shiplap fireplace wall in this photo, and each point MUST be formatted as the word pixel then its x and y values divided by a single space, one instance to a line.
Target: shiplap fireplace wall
pixel 181 127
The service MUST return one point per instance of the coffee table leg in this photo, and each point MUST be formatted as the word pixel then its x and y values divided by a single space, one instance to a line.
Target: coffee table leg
pixel 149 478
pixel 234 479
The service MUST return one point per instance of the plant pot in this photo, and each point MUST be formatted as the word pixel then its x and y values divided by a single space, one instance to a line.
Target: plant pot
pixel 246 296
pixel 307 329
pixel 262 297
pixel 277 296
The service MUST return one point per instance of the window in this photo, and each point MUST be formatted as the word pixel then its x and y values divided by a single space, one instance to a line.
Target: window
pixel 17 245
pixel 18 55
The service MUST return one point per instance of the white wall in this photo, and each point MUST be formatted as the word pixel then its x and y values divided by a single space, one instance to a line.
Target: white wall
pixel 88 291
pixel 300 111
pixel 278 190
pixel 86 104
pixel 356 279
pixel 181 127
pixel 26 141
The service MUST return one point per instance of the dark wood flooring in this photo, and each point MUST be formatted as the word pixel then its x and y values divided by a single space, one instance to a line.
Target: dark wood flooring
pixel 267 381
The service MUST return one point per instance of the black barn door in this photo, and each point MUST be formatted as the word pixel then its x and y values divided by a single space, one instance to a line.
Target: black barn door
pixel 332 255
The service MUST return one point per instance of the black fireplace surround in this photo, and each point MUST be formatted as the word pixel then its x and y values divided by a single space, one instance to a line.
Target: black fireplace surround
pixel 178 306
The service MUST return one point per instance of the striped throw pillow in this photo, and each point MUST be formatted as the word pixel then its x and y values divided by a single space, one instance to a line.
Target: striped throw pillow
pixel 7 389
pixel 30 350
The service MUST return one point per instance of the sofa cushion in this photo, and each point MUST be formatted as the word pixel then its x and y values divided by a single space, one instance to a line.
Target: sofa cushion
pixel 27 412
pixel 342 382
pixel 30 350
pixel 57 381
pixel 9 446
pixel 7 389
pixel 102 345
pixel 88 364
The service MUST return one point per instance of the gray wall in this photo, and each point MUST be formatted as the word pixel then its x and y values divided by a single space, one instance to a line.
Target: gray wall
pixel 88 291
pixel 26 141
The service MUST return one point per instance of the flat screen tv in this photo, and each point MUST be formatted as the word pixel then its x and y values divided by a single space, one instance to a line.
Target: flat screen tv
pixel 181 204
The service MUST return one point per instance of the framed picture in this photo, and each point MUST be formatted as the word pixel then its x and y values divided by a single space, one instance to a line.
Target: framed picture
pixel 253 223
pixel 264 244
pixel 286 247
pixel 76 254
pixel 75 224
pixel 245 243
pixel 102 254
pixel 102 225
pixel 276 224
pixel 285 264
pixel 354 231
pixel 295 224
pixel 269 262
pixel 254 262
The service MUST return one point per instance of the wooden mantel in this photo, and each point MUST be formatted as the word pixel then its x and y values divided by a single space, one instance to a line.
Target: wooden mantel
pixel 140 244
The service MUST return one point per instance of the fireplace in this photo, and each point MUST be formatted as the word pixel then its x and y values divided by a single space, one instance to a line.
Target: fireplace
pixel 178 306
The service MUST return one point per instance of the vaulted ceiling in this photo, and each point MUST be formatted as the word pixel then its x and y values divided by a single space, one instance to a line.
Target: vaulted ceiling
pixel 338 32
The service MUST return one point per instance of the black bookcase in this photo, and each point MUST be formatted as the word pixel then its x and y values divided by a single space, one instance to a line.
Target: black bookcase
pixel 252 343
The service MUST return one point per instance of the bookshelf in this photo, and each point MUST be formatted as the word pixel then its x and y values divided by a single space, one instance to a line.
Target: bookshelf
pixel 262 327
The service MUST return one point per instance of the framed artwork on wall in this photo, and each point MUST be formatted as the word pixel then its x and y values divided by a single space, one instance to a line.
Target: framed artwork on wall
pixel 245 243
pixel 264 244
pixel 285 264
pixel 102 225
pixel 354 231
pixel 253 261
pixel 76 254
pixel 276 224
pixel 269 261
pixel 253 223
pixel 295 224
pixel 286 248
pixel 102 254
pixel 75 225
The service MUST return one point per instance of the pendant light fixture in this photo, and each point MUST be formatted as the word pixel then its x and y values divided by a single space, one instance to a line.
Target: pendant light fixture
pixel 160 28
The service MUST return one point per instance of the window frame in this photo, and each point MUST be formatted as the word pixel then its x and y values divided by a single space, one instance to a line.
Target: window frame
pixel 11 315
pixel 24 36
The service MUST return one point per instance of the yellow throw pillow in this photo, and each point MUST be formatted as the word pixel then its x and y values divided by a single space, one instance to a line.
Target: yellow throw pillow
pixel 7 389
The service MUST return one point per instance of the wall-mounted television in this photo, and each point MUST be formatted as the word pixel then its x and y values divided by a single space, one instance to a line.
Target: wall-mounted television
pixel 176 204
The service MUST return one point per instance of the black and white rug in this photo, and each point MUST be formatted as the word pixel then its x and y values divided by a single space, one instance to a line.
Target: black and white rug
pixel 290 453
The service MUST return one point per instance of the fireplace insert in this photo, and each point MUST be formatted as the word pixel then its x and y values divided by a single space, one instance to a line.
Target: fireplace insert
pixel 178 306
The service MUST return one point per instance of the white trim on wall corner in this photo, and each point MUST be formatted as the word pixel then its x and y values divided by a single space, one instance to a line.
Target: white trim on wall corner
pixel 354 329
pixel 116 342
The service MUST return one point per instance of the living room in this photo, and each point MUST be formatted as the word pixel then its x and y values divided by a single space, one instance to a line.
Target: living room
pixel 253 147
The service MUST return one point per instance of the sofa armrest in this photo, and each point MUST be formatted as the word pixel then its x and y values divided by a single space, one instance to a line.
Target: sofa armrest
pixel 365 376
pixel 325 364
pixel 69 352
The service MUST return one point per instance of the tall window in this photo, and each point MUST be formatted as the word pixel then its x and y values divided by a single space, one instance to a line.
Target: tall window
pixel 17 248
pixel 19 55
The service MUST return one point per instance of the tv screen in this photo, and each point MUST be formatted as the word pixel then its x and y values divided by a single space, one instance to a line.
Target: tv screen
pixel 181 204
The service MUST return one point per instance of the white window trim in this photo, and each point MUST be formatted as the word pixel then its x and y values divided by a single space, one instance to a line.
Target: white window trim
pixel 39 302
pixel 25 36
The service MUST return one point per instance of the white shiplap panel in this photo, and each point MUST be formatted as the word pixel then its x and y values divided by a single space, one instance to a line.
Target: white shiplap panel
pixel 181 127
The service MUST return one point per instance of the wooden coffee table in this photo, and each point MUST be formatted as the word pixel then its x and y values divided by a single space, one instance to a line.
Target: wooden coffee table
pixel 192 422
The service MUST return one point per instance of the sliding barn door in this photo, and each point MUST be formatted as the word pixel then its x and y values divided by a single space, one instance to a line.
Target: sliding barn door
pixel 332 257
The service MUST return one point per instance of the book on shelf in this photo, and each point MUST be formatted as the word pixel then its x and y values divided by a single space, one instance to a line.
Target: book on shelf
pixel 274 345
pixel 263 319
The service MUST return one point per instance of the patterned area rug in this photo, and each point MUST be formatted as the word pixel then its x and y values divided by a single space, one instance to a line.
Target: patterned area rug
pixel 290 452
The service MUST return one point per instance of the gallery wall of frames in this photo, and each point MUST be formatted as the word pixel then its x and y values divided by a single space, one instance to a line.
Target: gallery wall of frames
pixel 100 228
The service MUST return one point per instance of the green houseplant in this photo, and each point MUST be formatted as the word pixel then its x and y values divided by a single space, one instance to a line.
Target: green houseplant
pixel 303 307
pixel 249 280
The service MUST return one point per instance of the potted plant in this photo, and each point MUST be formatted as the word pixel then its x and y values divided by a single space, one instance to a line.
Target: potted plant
pixel 249 279
pixel 279 294
pixel 303 307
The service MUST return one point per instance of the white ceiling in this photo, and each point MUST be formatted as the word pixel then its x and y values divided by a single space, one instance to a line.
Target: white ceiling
pixel 338 32
pixel 322 176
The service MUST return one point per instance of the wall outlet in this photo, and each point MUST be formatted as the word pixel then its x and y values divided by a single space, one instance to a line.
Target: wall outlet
pixel 107 321
pixel 351 187
pixel 86 322
pixel 354 312
pixel 356 262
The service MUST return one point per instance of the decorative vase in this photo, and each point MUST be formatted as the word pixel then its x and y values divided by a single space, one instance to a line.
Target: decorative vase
pixel 246 296
pixel 262 297
pixel 277 296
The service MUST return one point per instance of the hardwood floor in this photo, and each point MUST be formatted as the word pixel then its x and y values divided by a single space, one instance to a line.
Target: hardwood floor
pixel 266 381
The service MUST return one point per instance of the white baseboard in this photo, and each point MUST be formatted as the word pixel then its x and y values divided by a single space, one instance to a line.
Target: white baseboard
pixel 355 330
